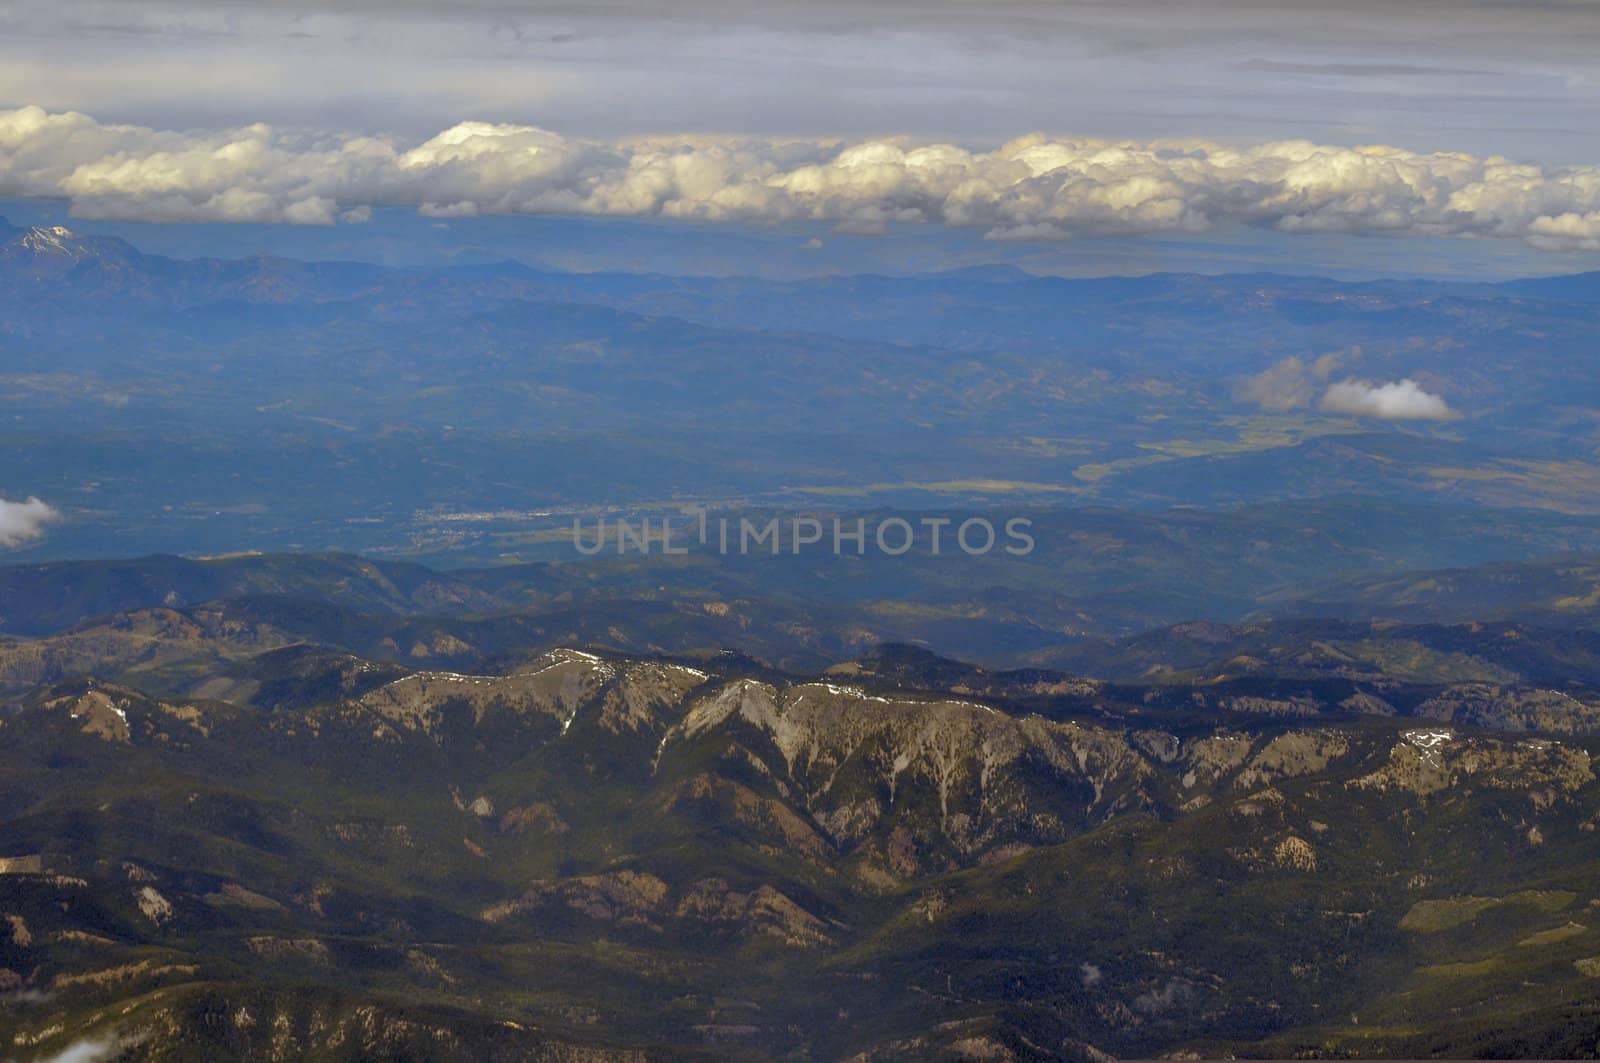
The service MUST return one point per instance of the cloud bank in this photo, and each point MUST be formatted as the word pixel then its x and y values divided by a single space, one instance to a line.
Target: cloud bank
pixel 1402 400
pixel 1031 188
pixel 22 522
pixel 1512 77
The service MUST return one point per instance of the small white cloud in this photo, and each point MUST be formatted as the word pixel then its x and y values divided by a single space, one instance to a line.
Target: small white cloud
pixel 1402 400
pixel 313 210
pixel 92 1050
pixel 22 522
pixel 464 209
pixel 812 244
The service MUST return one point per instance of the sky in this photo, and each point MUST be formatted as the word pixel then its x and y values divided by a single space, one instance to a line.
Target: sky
pixel 1514 77
pixel 1020 120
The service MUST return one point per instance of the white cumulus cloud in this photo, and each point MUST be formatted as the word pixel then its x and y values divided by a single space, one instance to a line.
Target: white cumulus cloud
pixel 1402 400
pixel 22 522
pixel 1035 188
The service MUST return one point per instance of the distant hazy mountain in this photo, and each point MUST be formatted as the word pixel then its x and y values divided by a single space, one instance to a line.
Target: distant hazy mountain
pixel 69 269
pixel 1094 574
pixel 1563 592
pixel 170 405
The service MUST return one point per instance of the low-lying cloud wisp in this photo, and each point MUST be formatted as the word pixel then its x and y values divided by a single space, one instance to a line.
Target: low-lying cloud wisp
pixel 1291 384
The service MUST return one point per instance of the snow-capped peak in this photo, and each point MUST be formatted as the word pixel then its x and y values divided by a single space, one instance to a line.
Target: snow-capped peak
pixel 53 239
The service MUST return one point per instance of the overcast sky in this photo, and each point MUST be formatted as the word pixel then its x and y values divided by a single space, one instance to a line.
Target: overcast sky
pixel 1517 77
pixel 554 94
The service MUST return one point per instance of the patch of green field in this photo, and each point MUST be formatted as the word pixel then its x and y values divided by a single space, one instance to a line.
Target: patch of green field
pixel 939 487
pixel 920 610
pixel 1412 660
pixel 1426 917
pixel 1555 935
pixel 1095 472
pixel 1470 969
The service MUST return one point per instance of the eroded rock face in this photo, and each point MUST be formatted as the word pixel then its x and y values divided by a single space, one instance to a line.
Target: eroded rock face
pixel 813 768
pixel 539 818
pixel 900 784
pixel 856 760
pixel 762 912
pixel 302 949
pixel 153 905
pixel 627 898
pixel 1296 853
pixel 641 901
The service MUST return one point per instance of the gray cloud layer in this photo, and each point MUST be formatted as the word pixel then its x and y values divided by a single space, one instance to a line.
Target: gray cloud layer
pixel 1479 75
pixel 1031 188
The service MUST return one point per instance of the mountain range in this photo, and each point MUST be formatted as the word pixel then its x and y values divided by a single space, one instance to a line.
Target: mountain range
pixel 264 403
pixel 600 856
pixel 319 739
